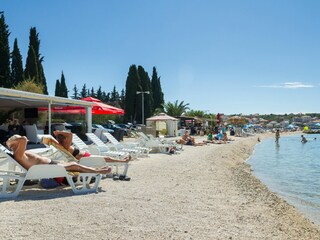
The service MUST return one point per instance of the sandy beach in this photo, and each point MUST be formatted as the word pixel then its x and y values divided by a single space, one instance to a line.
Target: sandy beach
pixel 204 192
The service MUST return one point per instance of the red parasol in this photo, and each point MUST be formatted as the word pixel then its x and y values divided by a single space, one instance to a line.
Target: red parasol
pixel 97 108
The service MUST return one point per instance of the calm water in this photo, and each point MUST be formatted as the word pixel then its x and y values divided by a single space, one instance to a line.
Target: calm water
pixel 292 170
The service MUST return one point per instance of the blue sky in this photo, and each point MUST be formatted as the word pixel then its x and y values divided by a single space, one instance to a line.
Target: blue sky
pixel 227 56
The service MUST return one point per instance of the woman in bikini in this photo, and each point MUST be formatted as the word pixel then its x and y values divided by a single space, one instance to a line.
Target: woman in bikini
pixel 65 140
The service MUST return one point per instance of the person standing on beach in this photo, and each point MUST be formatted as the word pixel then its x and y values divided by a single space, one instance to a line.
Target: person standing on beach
pixel 277 136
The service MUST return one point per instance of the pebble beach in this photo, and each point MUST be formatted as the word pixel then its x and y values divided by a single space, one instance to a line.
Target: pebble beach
pixel 203 192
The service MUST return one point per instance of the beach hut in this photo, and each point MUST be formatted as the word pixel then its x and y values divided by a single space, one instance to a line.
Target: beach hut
pixel 164 122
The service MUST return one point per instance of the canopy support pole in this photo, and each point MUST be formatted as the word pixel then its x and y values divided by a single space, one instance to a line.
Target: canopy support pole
pixel 49 118
pixel 89 119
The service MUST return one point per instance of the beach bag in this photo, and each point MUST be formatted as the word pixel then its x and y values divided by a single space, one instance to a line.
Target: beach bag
pixel 49 183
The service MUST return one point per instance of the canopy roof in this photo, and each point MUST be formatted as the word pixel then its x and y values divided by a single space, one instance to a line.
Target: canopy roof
pixel 10 98
pixel 161 117
pixel 98 107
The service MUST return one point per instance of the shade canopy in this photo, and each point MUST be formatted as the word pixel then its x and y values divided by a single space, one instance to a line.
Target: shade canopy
pixel 170 123
pixel 161 117
pixel 98 107
pixel 237 120
pixel 11 99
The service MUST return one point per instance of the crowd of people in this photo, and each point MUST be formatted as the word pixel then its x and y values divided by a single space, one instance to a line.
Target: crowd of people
pixel 219 138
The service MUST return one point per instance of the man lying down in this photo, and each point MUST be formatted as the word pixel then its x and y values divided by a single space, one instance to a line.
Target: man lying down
pixel 27 159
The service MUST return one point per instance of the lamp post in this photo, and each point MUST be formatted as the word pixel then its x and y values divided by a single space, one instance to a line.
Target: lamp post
pixel 142 104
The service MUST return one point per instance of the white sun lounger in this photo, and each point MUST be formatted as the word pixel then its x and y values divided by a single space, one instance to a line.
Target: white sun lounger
pixel 155 144
pixel 97 154
pixel 11 170
pixel 143 151
pixel 97 141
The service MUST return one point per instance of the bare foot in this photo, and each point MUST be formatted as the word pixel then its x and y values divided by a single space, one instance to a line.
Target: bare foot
pixel 127 158
pixel 105 170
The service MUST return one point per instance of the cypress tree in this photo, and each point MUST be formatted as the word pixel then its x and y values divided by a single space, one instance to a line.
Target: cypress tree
pixel 4 54
pixel 43 78
pixel 34 40
pixel 131 100
pixel 57 92
pixel 122 98
pixel 63 87
pixel 157 93
pixel 146 86
pixel 34 68
pixel 16 65
pixel 31 70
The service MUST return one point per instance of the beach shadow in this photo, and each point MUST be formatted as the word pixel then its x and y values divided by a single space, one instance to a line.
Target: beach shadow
pixel 41 194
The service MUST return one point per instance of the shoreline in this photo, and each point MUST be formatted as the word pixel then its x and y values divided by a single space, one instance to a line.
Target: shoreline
pixel 310 214
pixel 288 218
pixel 205 192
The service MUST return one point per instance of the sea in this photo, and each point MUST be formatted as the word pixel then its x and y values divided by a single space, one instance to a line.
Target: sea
pixel 291 169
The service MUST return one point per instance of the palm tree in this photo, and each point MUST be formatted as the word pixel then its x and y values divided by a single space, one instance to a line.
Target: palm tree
pixel 196 113
pixel 175 109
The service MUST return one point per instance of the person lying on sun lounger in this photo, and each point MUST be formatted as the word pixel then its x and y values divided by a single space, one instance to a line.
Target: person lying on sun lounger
pixel 27 159
pixel 64 139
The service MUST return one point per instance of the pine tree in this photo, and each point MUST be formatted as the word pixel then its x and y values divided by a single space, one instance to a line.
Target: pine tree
pixel 114 95
pixel 63 87
pixel 4 54
pixel 57 92
pixel 83 92
pixel 75 92
pixel 16 65
pixel 104 97
pixel 99 94
pixel 92 94
pixel 157 93
pixel 131 100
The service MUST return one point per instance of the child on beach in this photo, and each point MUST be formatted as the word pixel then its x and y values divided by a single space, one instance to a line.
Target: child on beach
pixel 303 139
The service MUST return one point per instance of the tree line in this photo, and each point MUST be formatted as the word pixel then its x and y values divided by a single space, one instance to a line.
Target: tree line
pixel 12 73
pixel 32 78
pixel 129 99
